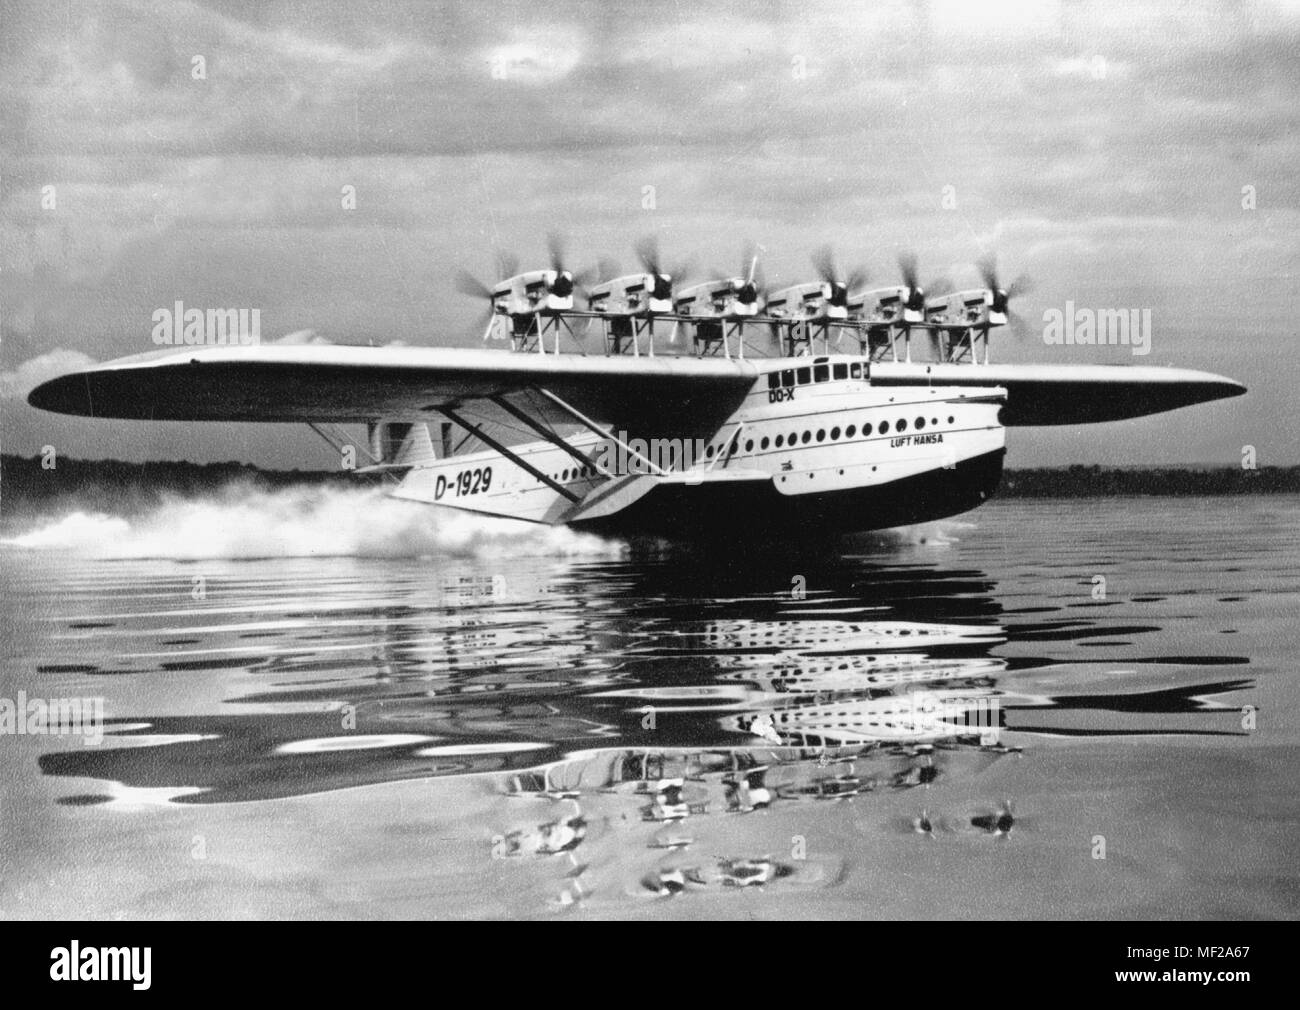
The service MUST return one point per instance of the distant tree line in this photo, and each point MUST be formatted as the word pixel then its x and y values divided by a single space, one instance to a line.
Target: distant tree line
pixel 25 484
pixel 1098 482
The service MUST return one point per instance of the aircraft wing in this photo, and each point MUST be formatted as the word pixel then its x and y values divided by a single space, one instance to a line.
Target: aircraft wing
pixel 340 383
pixel 1068 394
pixel 668 395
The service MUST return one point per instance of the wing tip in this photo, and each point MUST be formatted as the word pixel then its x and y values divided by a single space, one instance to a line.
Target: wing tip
pixel 66 394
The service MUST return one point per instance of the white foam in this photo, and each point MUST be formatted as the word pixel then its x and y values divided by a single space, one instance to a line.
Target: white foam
pixel 243 521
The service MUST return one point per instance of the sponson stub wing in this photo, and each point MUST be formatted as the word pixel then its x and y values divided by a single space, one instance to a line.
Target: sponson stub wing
pixel 1068 394
pixel 338 383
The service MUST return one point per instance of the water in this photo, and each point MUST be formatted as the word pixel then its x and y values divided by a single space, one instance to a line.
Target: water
pixel 1045 708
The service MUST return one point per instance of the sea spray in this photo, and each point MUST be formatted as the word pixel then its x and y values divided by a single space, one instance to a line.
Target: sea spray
pixel 242 521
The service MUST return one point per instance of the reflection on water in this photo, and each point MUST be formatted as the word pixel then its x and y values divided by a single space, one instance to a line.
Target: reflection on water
pixel 661 690
pixel 455 674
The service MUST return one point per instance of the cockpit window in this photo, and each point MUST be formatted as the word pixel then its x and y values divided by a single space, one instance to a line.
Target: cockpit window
pixel 855 369
pixel 805 375
pixel 821 373
pixel 840 371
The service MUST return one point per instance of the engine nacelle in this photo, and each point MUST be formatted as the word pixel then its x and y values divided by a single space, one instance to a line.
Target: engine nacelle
pixel 535 291
pixel 885 306
pixel 632 295
pixel 814 300
pixel 722 299
pixel 963 309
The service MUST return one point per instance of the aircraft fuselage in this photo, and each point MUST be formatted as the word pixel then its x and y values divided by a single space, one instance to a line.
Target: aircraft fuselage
pixel 815 445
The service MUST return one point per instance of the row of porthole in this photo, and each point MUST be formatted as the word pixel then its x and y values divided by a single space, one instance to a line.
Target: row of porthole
pixel 820 435
pixel 565 476
pixel 780 440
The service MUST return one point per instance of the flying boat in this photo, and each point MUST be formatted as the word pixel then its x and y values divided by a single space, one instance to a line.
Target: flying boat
pixel 663 408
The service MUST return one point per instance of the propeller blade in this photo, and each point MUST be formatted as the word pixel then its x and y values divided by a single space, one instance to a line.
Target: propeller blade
pixel 555 246
pixel 988 268
pixel 748 260
pixel 468 284
pixel 823 259
pixel 647 251
pixel 507 265
pixel 607 269
pixel 1022 285
pixel 940 286
pixel 681 270
pixel 907 266
pixel 857 279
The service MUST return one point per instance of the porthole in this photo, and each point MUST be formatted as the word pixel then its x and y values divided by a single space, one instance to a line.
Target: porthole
pixel 884 427
pixel 763 444
pixel 708 453
pixel 794 437
pixel 780 441
pixel 950 420
pixel 901 425
pixel 807 437
pixel 934 420
pixel 850 431
pixel 835 433
pixel 920 423
pixel 821 434
pixel 749 445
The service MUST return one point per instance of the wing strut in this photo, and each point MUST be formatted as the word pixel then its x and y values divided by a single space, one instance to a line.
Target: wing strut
pixel 514 458
pixel 337 439
pixel 731 444
pixel 549 435
pixel 602 432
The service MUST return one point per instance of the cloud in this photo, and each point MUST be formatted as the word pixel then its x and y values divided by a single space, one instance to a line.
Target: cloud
pixel 301 337
pixel 792 125
pixel 16 384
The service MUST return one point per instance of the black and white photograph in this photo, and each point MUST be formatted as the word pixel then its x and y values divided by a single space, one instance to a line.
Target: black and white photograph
pixel 651 461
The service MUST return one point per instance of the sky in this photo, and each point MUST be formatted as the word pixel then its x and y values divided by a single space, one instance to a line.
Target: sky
pixel 1125 156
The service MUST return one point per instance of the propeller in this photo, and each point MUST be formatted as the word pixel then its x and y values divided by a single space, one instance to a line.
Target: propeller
pixel 824 261
pixel 916 294
pixel 647 251
pixel 606 269
pixel 564 282
pixel 1000 304
pixel 468 284
pixel 747 293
